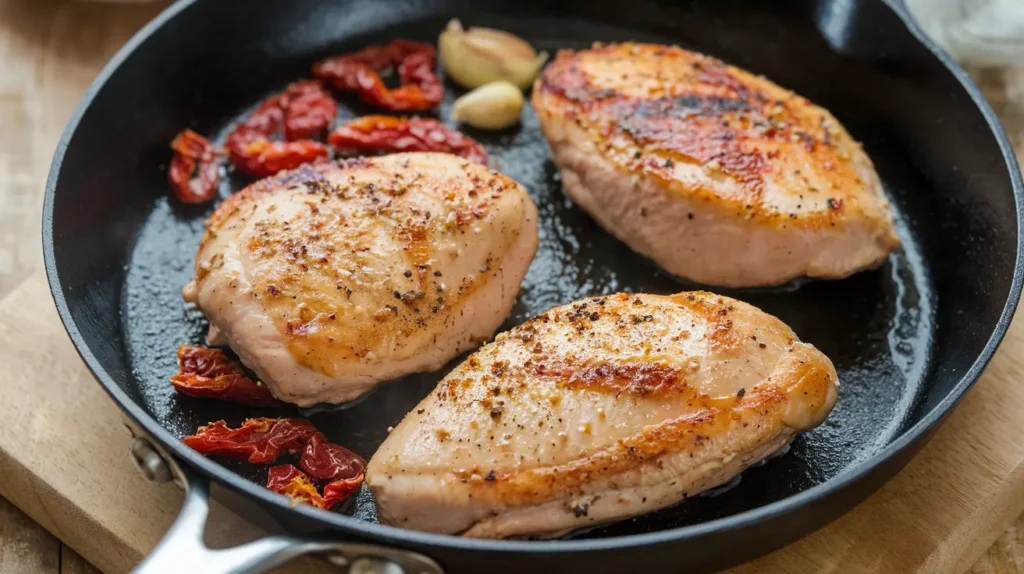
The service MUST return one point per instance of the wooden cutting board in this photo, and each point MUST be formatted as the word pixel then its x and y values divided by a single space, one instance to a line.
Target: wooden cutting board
pixel 64 461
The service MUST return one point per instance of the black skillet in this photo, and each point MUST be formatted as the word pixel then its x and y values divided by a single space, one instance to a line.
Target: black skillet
pixel 908 339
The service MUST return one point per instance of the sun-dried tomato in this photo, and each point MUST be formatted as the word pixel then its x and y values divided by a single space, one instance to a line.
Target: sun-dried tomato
pixel 421 89
pixel 194 173
pixel 210 373
pixel 327 461
pixel 308 110
pixel 389 134
pixel 288 480
pixel 259 440
pixel 251 145
pixel 338 490
pixel 264 158
pixel 342 70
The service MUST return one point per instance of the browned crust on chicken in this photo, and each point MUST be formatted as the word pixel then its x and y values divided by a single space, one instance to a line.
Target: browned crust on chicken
pixel 613 405
pixel 652 106
pixel 363 269
pixel 642 380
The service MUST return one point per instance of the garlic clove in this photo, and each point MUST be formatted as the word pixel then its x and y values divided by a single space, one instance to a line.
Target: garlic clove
pixel 493 106
pixel 478 56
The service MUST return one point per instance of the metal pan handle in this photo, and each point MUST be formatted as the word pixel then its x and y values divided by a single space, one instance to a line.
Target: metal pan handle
pixel 182 548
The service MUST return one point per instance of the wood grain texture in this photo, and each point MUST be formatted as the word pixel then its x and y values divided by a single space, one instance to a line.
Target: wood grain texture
pixel 50 50
pixel 25 547
pixel 1005 556
pixel 72 563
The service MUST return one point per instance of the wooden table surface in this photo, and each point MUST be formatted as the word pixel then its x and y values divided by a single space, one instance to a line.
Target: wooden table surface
pixel 50 50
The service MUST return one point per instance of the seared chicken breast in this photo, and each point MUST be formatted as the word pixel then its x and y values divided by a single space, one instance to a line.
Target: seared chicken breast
pixel 600 410
pixel 718 175
pixel 333 277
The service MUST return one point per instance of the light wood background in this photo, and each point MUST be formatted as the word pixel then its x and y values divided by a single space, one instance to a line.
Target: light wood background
pixel 49 52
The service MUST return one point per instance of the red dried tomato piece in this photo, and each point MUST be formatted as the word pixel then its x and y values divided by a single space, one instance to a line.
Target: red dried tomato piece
pixel 288 480
pixel 262 158
pixel 327 461
pixel 308 110
pixel 259 440
pixel 251 147
pixel 194 173
pixel 421 89
pixel 210 373
pixel 343 71
pixel 389 134
pixel 338 490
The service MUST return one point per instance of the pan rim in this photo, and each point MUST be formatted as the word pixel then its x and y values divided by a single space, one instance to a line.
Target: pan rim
pixel 390 534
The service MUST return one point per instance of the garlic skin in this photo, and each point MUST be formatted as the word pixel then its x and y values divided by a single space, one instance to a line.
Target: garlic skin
pixel 478 56
pixel 493 106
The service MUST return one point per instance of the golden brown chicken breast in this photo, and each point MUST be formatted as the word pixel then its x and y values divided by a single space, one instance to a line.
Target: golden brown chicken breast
pixel 600 410
pixel 716 174
pixel 331 278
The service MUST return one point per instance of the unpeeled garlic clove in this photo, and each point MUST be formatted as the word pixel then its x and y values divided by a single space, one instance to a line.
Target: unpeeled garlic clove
pixel 478 56
pixel 493 106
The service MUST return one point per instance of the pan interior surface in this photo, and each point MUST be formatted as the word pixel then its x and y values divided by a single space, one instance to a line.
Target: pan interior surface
pixel 881 352
pixel 897 335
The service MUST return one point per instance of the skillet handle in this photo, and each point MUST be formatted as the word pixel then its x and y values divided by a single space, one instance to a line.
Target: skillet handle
pixel 182 548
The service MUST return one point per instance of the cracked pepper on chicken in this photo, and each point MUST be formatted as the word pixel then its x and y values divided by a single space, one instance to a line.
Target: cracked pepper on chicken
pixel 718 175
pixel 600 410
pixel 331 278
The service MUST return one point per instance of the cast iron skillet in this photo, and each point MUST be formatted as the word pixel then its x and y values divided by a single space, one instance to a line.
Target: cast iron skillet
pixel 908 338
